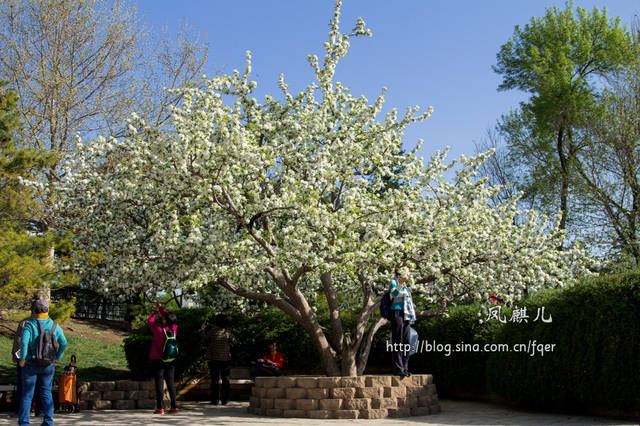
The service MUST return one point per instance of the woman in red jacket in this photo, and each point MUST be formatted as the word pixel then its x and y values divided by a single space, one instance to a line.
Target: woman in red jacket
pixel 163 370
pixel 270 364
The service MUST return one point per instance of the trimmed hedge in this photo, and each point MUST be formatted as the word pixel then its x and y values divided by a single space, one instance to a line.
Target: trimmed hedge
pixel 596 359
pixel 459 373
pixel 594 365
pixel 256 332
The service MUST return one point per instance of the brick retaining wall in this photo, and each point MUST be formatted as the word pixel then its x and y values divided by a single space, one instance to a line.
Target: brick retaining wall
pixel 363 397
pixel 118 395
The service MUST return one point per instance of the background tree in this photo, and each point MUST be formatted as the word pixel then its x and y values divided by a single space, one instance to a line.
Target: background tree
pixel 608 170
pixel 498 167
pixel 80 67
pixel 289 201
pixel 21 250
pixel 557 59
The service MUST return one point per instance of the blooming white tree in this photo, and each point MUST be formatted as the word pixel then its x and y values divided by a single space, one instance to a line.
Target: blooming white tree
pixel 303 197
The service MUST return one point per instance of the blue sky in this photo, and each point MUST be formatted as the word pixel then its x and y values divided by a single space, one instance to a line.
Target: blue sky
pixel 427 53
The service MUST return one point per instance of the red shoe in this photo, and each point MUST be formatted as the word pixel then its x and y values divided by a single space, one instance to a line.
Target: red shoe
pixel 160 411
pixel 173 411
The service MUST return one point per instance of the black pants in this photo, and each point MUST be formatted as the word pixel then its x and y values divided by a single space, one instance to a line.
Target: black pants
pixel 265 370
pixel 18 392
pixel 164 373
pixel 217 370
pixel 399 334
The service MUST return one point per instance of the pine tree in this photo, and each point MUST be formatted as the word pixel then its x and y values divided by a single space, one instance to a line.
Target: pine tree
pixel 21 250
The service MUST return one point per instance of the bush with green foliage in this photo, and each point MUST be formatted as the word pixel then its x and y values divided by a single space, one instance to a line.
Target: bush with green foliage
pixel 594 363
pixel 255 333
pixel 62 310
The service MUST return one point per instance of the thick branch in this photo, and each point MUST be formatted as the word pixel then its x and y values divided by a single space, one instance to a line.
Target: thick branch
pixel 365 348
pixel 336 335
pixel 311 324
pixel 368 306
pixel 283 304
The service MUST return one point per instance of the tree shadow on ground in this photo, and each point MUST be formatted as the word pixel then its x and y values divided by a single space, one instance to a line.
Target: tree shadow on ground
pixel 8 374
pixel 99 373
pixel 104 324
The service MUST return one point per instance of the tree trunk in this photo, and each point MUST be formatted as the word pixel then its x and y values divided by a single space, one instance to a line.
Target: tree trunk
pixel 44 290
pixel 365 345
pixel 564 189
pixel 348 360
pixel 103 309
pixel 327 356
pixel 327 359
pixel 319 339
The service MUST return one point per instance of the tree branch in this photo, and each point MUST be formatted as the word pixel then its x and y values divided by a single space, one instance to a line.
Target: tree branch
pixel 365 347
pixel 368 306
pixel 336 334
pixel 283 304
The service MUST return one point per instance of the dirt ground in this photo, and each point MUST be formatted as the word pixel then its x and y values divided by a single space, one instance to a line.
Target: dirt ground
pixel 104 331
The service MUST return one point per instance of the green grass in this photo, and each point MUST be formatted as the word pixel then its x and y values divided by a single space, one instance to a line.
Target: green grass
pixel 95 360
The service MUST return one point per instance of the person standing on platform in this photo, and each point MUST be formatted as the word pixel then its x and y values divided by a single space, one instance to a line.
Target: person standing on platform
pixel 402 316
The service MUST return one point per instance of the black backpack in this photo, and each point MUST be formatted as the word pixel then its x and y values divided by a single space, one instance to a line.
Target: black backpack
pixel 46 347
pixel 385 306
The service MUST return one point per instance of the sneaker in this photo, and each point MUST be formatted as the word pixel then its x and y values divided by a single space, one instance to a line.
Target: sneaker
pixel 160 411
pixel 173 411
pixel 214 402
pixel 224 402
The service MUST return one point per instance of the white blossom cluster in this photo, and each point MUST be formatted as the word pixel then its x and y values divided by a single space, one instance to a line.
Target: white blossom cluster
pixel 305 184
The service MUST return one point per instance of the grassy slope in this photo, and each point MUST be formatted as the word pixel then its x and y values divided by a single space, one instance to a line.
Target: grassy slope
pixel 97 360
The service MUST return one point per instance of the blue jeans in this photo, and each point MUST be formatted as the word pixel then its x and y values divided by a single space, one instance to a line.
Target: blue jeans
pixel 37 379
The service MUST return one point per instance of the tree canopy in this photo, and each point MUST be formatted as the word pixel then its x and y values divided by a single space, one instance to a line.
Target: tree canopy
pixel 557 58
pixel 288 200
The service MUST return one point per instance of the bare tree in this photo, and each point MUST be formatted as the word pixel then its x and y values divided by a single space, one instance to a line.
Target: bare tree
pixel 497 167
pixel 609 169
pixel 80 67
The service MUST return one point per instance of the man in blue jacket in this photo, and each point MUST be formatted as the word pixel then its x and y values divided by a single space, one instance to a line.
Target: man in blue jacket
pixel 34 375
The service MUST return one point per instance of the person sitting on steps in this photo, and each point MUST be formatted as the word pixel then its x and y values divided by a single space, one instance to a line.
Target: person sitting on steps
pixel 270 364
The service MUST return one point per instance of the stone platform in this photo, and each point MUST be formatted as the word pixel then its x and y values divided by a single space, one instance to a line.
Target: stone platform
pixel 363 397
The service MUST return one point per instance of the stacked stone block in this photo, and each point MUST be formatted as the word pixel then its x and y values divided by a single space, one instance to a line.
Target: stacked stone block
pixel 118 395
pixel 364 397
